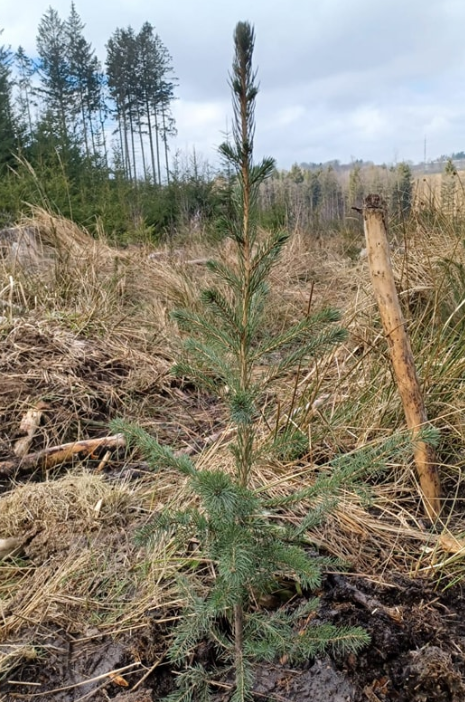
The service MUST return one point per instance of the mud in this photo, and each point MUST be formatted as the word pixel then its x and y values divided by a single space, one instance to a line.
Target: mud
pixel 320 683
pixel 416 654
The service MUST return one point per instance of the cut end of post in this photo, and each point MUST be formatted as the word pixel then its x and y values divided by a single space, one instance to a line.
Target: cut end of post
pixel 374 202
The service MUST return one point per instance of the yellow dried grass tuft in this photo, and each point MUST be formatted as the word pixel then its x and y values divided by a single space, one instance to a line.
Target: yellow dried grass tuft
pixel 79 568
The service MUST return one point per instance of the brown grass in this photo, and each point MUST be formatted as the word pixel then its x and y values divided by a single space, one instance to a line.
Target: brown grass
pixel 89 333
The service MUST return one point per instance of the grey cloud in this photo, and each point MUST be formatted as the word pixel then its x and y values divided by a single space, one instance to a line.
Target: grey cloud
pixel 338 78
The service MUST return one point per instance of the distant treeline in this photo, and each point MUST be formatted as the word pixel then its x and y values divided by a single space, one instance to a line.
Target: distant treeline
pixel 312 199
pixel 435 165
pixel 91 142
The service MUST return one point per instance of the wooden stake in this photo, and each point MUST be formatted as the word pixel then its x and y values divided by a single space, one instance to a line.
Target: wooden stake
pixel 399 345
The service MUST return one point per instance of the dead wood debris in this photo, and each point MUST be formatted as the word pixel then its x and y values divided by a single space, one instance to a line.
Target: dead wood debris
pixel 10 546
pixel 50 457
pixel 29 426
pixel 370 603
pixel 54 455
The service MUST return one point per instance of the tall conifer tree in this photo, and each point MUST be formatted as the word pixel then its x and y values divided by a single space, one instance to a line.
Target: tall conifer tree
pixel 9 127
pixel 84 77
pixel 53 68
pixel 142 88
pixel 25 70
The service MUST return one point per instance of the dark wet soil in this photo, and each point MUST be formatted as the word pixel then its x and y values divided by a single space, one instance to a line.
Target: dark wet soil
pixel 417 650
pixel 416 654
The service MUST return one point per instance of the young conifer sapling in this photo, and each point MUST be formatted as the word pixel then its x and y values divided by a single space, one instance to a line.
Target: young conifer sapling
pixel 238 529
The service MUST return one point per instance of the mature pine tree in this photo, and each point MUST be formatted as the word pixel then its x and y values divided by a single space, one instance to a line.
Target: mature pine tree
pixel 53 69
pixel 149 71
pixel 142 88
pixel 85 84
pixel 130 57
pixel 25 69
pixel 118 75
pixel 103 112
pixel 168 124
pixel 9 129
pixel 162 96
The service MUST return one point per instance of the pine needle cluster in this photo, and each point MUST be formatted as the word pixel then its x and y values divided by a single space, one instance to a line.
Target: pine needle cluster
pixel 238 529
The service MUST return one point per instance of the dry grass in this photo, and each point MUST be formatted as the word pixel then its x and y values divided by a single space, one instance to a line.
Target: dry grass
pixel 89 334
pixel 79 569
pixel 441 192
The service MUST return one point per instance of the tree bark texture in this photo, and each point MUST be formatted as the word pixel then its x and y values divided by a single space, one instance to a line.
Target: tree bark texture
pixel 400 350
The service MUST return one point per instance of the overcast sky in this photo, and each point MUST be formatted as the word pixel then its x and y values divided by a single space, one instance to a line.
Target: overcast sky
pixel 364 79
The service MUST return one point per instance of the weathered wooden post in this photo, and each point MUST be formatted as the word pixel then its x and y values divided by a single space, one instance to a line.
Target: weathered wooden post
pixel 382 278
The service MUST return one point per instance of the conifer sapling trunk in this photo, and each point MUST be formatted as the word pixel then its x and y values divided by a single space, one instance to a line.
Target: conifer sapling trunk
pixel 244 94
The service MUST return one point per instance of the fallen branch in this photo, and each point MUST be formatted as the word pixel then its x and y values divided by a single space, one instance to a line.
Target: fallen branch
pixel 197 261
pixel 89 681
pixel 370 603
pixel 53 456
